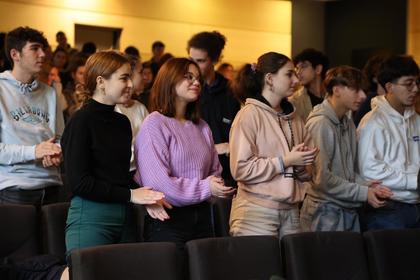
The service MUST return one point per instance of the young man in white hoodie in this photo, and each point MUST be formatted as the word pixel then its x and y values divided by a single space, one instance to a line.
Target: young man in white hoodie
pixel 336 193
pixel 31 124
pixel 389 145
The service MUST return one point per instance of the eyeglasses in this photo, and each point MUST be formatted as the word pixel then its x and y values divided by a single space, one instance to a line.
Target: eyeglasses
pixel 303 65
pixel 191 78
pixel 409 85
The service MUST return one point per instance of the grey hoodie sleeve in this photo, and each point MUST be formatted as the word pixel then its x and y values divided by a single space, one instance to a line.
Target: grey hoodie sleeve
pixel 326 182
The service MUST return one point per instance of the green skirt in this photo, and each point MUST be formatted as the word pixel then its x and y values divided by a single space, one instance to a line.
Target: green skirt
pixel 91 223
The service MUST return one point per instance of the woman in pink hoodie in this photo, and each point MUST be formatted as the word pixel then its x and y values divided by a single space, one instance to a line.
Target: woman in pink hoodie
pixel 268 156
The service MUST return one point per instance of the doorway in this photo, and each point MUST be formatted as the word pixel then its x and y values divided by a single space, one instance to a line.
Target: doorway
pixel 104 37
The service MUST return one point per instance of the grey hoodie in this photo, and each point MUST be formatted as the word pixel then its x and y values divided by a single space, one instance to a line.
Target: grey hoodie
pixel 29 115
pixel 334 177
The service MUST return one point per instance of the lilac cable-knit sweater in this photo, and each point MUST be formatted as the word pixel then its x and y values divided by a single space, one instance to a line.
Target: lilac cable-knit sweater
pixel 176 159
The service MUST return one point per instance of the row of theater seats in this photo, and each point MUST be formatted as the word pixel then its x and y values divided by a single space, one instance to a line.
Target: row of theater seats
pixel 376 255
pixel 30 233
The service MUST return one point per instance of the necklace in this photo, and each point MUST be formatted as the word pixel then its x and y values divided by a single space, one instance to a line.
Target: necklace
pixel 290 144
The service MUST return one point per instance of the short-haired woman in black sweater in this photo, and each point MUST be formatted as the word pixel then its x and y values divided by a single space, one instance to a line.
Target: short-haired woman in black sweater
pixel 96 147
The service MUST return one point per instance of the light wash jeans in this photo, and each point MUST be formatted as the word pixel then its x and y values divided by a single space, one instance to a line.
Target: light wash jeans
pixel 327 216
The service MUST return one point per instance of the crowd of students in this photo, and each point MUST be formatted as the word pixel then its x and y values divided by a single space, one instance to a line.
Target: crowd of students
pixel 279 138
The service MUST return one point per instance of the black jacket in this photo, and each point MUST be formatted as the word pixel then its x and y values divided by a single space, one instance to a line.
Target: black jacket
pixel 218 108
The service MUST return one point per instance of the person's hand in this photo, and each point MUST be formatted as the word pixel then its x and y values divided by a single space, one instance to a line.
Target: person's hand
pixel 382 191
pixel 48 161
pixel 217 187
pixel 300 155
pixel 222 148
pixel 145 195
pixel 47 148
pixel 377 195
pixel 157 210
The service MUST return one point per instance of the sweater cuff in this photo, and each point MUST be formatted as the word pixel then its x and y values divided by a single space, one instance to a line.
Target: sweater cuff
pixel 207 191
pixel 363 194
pixel 411 182
pixel 279 167
pixel 121 195
pixel 29 153
pixel 281 162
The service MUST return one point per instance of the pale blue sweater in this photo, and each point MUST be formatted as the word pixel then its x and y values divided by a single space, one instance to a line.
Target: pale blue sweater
pixel 29 115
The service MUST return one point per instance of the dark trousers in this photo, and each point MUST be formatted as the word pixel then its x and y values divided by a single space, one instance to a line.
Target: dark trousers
pixel 394 215
pixel 37 198
pixel 185 224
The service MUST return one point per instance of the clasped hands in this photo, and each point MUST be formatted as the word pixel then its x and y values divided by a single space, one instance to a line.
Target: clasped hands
pixel 49 152
pixel 300 155
pixel 156 203
pixel 378 194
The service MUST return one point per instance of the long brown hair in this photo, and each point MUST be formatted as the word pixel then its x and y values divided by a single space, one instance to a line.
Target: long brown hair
pixel 163 93
pixel 103 63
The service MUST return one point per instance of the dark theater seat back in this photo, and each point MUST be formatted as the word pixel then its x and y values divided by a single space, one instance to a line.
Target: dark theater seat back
pixel 18 234
pixel 53 222
pixel 324 256
pixel 235 258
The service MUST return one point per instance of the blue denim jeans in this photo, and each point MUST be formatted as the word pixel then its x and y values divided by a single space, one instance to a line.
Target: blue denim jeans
pixel 327 216
pixel 395 215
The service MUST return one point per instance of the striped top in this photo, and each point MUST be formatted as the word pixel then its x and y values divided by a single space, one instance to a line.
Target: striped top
pixel 176 159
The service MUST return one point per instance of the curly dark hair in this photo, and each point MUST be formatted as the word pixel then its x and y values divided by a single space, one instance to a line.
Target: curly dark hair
pixel 211 42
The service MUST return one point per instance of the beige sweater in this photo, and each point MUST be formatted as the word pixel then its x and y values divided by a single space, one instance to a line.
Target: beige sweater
pixel 256 143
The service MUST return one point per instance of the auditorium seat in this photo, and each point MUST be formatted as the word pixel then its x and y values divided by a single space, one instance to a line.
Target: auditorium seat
pixel 235 258
pixel 393 254
pixel 148 261
pixel 53 223
pixel 18 234
pixel 324 256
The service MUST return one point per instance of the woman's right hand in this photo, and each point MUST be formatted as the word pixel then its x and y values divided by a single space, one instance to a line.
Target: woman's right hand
pixel 145 195
pixel 218 188
pixel 300 155
pixel 157 210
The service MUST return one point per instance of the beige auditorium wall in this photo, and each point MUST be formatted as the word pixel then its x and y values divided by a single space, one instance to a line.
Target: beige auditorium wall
pixel 251 26
pixel 413 33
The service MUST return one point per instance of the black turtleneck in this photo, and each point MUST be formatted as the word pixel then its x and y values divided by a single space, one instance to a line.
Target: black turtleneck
pixel 96 146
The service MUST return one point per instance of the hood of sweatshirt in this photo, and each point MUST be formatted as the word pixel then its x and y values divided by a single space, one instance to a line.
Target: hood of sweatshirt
pixel 261 102
pixel 21 87
pixel 380 102
pixel 326 110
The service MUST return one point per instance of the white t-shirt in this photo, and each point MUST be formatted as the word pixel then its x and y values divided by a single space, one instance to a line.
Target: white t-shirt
pixel 136 113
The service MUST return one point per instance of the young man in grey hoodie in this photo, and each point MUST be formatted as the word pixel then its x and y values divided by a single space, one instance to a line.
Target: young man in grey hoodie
pixel 31 124
pixel 336 193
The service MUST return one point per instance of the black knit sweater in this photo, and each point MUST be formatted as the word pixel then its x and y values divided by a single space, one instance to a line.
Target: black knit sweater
pixel 96 146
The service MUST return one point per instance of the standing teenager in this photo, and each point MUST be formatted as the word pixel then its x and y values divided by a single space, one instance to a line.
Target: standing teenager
pixel 31 124
pixel 175 155
pixel 97 148
pixel 336 191
pixel 268 156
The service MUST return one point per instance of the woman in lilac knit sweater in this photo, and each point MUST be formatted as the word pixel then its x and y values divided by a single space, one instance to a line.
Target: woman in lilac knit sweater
pixel 175 154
